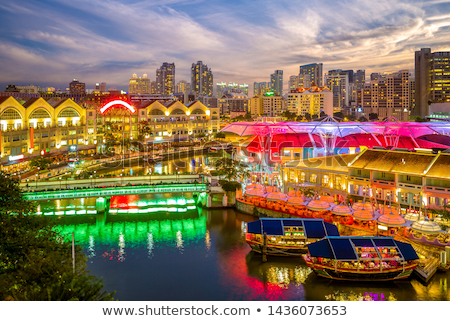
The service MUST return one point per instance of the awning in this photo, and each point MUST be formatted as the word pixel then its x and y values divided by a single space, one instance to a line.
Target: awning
pixel 313 228
pixel 407 251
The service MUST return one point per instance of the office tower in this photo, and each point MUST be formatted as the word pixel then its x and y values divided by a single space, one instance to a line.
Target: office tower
pixel 183 87
pixel 412 94
pixel 432 76
pixel 337 81
pixel 233 85
pixel 100 87
pixel 77 87
pixel 152 88
pixel 360 79
pixel 388 96
pixel 220 87
pixel 276 82
pixel 201 79
pixel 315 72
pixel 351 75
pixel 165 79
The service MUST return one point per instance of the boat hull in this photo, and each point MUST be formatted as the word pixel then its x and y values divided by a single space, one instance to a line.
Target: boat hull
pixel 363 275
pixel 278 250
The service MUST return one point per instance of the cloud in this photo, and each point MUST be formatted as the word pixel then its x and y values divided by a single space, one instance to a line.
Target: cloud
pixel 242 41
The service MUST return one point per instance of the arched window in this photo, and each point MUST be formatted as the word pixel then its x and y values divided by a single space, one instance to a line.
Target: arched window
pixel 155 112
pixel 9 114
pixel 69 112
pixel 177 112
pixel 198 112
pixel 40 113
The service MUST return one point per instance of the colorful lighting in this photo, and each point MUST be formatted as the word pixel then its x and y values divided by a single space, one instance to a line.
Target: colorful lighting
pixel 117 102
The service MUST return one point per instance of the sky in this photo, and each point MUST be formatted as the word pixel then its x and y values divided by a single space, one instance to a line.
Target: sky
pixel 51 42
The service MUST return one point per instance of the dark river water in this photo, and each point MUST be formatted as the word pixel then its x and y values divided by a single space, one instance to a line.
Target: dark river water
pixel 150 253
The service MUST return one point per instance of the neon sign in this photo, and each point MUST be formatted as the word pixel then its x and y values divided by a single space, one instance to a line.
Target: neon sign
pixel 117 102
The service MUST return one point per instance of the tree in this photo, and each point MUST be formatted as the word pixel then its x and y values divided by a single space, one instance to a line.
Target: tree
pixel 289 115
pixel 40 162
pixel 219 135
pixel 144 129
pixel 338 115
pixel 373 116
pixel 308 116
pixel 231 169
pixel 12 199
pixel 35 260
pixel 362 119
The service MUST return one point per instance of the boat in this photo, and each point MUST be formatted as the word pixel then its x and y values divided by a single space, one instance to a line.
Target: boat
pixel 361 258
pixel 287 236
pixel 155 159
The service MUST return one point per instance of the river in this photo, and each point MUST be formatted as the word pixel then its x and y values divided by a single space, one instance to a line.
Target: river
pixel 189 253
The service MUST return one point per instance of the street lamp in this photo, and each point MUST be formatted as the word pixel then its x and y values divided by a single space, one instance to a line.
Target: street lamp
pixel 176 172
pixel 94 176
pixel 60 182
pixel 91 180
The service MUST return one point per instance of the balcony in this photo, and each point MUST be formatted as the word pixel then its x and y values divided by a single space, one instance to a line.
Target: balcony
pixel 437 190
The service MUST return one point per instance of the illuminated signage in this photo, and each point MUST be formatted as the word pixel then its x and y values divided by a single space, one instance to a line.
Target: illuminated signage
pixel 117 102
pixel 13 158
pixel 381 227
pixel 72 148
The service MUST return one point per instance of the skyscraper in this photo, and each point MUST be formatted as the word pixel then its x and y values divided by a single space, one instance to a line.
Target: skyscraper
pixel 183 87
pixel 138 85
pixel 432 75
pixel 77 87
pixel 360 79
pixel 165 79
pixel 388 95
pixel 260 88
pixel 220 87
pixel 276 82
pixel 201 80
pixel 315 72
pixel 337 81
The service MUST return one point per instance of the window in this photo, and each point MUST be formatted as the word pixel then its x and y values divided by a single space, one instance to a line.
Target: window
pixel 90 114
pixel 313 178
pixel 408 178
pixel 383 175
pixel 287 153
pixel 297 155
pixel 44 135
pixel 16 138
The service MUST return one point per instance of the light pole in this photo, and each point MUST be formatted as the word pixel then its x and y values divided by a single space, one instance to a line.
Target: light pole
pixel 94 176
pixel 60 183
pixel 36 180
pixel 91 180
pixel 176 172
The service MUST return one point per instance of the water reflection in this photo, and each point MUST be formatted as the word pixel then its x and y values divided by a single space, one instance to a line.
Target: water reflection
pixel 203 255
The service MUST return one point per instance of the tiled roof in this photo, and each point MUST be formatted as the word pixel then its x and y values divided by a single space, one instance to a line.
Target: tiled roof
pixel 393 161
pixel 29 102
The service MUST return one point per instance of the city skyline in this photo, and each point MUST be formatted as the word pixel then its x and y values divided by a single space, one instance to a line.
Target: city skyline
pixel 49 43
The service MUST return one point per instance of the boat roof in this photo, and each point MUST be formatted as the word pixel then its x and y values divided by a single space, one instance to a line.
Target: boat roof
pixel 313 228
pixel 343 248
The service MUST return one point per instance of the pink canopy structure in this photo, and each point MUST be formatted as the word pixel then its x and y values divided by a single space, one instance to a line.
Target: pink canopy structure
pixel 342 210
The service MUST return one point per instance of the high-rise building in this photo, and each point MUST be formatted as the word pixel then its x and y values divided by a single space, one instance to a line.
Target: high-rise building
pixel 77 87
pixel 387 95
pixel 233 100
pixel 138 85
pixel 276 82
pixel 273 105
pixel 183 87
pixel 311 101
pixel 432 76
pixel 315 72
pixel 412 94
pixel 201 79
pixel 360 79
pixel 293 82
pixel 100 87
pixel 220 87
pixel 260 88
pixel 256 105
pixel 244 88
pixel 165 79
pixel 337 81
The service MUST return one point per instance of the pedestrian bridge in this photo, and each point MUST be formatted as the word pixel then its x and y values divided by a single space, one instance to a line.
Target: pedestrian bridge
pixel 111 191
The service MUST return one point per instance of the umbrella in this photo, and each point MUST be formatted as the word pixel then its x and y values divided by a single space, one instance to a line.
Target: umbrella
pixel 362 206
pixel 255 193
pixel 426 227
pixel 412 217
pixel 388 209
pixel 318 205
pixel 295 200
pixel 391 219
pixel 253 186
pixel 271 189
pixel 363 215
pixel 329 199
pixel 342 210
pixel 276 196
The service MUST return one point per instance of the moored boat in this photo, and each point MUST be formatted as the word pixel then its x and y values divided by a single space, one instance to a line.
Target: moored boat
pixel 361 258
pixel 155 158
pixel 287 236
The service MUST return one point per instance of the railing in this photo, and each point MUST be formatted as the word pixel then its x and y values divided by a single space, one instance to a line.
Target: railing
pixel 111 191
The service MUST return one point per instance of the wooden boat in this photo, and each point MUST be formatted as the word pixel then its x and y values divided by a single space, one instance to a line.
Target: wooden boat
pixel 287 236
pixel 361 258
pixel 155 159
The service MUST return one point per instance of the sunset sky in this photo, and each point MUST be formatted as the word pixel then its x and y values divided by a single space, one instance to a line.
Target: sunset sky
pixel 48 43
